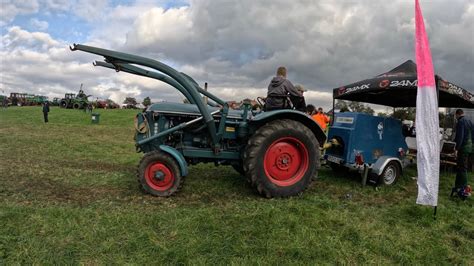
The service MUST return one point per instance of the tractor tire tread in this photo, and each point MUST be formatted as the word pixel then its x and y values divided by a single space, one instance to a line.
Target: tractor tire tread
pixel 251 153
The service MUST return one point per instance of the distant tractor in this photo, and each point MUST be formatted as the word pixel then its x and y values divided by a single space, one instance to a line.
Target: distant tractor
pixel 74 101
pixel 100 104
pixel 277 151
pixel 36 99
pixel 55 101
pixel 17 99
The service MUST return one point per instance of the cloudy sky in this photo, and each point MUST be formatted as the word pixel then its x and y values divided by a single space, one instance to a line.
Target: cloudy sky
pixel 235 46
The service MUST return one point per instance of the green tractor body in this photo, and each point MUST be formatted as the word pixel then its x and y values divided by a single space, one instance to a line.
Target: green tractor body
pixel 277 151
pixel 74 101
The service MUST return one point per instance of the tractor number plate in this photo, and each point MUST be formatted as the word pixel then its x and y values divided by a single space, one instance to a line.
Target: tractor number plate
pixel 334 159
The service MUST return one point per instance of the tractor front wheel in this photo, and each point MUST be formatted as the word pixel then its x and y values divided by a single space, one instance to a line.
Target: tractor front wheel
pixel 76 106
pixel 159 174
pixel 281 157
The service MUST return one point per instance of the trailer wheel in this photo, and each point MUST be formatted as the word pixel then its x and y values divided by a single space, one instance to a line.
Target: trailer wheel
pixel 159 174
pixel 280 158
pixel 390 174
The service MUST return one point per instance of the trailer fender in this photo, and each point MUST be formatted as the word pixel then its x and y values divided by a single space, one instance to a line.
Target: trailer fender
pixel 379 165
pixel 183 166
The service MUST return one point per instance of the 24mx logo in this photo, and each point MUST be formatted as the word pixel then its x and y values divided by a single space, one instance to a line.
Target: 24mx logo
pixel 404 83
pixel 356 88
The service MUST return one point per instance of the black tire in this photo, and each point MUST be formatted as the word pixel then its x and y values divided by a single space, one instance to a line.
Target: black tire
pixel 279 148
pixel 390 174
pixel 63 104
pixel 238 168
pixel 172 180
pixel 76 106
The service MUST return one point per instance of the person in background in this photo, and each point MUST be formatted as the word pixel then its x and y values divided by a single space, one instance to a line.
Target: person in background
pixel 322 119
pixel 463 141
pixel 45 111
pixel 5 102
pixel 310 109
pixel 279 90
pixel 299 102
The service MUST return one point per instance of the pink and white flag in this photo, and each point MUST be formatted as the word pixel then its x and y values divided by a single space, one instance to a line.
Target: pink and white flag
pixel 427 121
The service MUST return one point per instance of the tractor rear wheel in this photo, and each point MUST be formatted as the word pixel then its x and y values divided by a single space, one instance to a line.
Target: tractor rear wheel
pixel 280 158
pixel 159 175
pixel 63 104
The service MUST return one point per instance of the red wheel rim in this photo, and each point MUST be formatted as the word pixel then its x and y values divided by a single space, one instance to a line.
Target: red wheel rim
pixel 286 161
pixel 159 177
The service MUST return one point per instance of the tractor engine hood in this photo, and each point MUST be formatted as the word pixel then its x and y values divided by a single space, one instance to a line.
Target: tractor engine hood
pixel 188 109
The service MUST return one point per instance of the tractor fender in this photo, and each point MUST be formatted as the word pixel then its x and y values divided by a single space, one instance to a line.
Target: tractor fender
pixel 303 118
pixel 183 166
pixel 379 165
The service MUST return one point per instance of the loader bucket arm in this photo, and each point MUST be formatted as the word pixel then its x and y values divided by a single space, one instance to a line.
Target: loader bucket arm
pixel 151 74
pixel 114 57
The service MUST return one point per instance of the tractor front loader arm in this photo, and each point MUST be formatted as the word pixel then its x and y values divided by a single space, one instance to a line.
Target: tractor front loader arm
pixel 146 73
pixel 115 57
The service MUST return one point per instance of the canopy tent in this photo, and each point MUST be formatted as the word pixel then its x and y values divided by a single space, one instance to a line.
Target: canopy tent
pixel 398 87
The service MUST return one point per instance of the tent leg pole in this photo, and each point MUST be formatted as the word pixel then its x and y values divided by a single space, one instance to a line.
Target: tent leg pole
pixel 333 111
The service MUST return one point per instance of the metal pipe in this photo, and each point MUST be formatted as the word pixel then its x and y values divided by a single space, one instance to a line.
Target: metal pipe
pixel 118 57
pixel 150 74
pixel 173 129
pixel 204 92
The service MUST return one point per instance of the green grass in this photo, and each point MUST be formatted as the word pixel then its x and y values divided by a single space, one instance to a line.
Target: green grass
pixel 68 195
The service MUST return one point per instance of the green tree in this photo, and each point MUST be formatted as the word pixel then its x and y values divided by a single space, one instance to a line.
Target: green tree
pixel 146 102
pixel 406 113
pixel 130 101
pixel 343 106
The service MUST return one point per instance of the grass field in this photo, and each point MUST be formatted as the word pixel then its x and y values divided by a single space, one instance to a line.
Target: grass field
pixel 68 195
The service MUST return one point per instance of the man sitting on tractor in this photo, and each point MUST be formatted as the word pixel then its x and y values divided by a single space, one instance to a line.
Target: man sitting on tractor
pixel 283 95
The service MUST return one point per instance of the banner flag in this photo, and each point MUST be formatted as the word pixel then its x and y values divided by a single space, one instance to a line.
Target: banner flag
pixel 427 121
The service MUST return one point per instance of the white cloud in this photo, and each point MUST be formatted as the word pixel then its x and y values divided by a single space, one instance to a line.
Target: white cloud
pixel 18 39
pixel 9 9
pixel 236 46
pixel 36 63
pixel 39 24
pixel 89 10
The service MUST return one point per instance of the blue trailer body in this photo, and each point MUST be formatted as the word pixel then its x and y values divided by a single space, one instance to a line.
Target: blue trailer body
pixel 378 139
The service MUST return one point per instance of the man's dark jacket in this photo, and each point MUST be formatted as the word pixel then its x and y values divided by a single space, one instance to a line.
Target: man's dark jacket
pixel 45 108
pixel 278 90
pixel 462 132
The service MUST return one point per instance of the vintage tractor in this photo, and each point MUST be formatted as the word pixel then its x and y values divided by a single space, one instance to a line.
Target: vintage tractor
pixel 74 101
pixel 17 99
pixel 56 101
pixel 277 151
